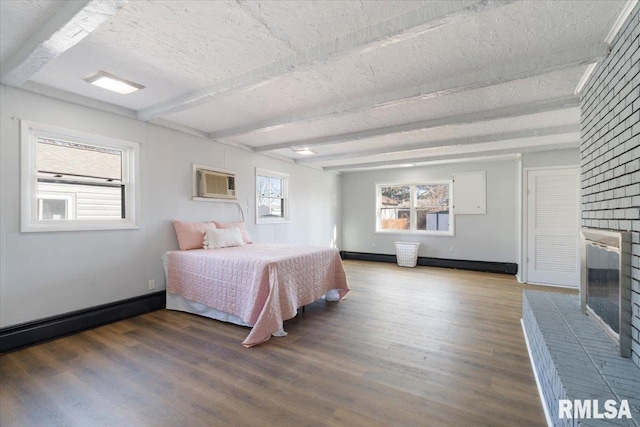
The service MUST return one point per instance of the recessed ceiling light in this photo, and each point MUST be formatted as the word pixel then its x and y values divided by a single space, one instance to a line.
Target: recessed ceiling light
pixel 303 150
pixel 113 83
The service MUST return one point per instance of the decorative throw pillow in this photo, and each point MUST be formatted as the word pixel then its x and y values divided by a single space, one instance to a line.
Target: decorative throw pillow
pixel 222 238
pixel 191 234
pixel 239 224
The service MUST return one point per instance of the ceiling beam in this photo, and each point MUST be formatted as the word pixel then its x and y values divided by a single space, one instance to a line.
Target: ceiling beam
pixel 479 139
pixel 73 21
pixel 525 148
pixel 462 119
pixel 74 98
pixel 475 80
pixel 398 29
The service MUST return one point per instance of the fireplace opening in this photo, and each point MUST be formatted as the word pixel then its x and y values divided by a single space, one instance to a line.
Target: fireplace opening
pixel 603 284
pixel 605 289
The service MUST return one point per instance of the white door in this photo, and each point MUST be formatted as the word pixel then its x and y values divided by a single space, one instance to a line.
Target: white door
pixel 553 210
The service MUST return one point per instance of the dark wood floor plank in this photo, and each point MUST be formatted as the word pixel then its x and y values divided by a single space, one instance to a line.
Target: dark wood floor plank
pixel 407 347
pixel 23 402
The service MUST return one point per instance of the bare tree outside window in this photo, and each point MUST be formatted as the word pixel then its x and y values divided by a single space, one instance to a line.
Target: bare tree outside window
pixel 432 207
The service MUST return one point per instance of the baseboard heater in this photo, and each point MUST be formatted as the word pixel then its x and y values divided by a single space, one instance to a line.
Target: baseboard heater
pixel 485 266
pixel 25 334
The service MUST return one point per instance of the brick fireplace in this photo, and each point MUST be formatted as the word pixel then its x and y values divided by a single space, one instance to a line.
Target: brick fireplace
pixel 572 356
pixel 610 151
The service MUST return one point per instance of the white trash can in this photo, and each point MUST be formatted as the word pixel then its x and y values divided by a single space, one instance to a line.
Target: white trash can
pixel 407 253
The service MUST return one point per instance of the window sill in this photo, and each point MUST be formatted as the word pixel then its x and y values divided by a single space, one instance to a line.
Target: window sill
pixel 417 233
pixel 272 221
pixel 41 227
pixel 212 199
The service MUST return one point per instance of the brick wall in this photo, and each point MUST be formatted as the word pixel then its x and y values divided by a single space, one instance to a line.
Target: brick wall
pixel 610 150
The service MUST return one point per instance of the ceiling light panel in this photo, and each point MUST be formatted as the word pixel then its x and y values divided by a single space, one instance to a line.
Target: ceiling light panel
pixel 306 151
pixel 113 83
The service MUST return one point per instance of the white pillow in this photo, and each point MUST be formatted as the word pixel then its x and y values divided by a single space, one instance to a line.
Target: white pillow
pixel 222 238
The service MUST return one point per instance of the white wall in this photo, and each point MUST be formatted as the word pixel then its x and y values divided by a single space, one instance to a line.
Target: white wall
pixel 489 237
pixel 554 158
pixel 46 274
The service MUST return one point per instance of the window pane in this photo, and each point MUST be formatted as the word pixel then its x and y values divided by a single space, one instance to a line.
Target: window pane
pixel 395 210
pixel 80 160
pixel 432 207
pixel 396 195
pixel 263 184
pixel 275 187
pixel 434 197
pixel 269 187
pixel 93 201
pixel 52 209
pixel 271 208
pixel 432 221
pixel 276 207
pixel 395 219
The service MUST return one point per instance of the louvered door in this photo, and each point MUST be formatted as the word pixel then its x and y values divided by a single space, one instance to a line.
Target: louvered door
pixel 553 227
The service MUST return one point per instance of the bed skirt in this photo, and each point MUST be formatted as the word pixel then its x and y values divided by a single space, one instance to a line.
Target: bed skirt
pixel 180 303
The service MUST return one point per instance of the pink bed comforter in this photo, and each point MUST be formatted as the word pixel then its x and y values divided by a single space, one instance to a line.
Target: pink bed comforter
pixel 262 284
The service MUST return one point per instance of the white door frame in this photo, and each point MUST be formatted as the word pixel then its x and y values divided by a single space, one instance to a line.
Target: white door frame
pixel 524 219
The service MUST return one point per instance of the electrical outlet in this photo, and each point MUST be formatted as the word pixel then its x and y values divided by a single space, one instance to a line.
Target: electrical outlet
pixel 152 284
pixel 373 245
pixel 451 248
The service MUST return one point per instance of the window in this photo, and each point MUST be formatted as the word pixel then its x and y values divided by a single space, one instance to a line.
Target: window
pixel 75 181
pixel 415 208
pixel 272 199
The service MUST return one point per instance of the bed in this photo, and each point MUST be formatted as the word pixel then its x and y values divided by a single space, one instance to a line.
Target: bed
pixel 254 285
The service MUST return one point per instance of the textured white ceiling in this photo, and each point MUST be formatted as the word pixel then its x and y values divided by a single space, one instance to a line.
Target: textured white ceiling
pixel 556 85
pixel 22 19
pixel 362 83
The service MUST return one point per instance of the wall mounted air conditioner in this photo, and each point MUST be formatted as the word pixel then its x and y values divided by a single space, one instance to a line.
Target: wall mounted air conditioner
pixel 216 185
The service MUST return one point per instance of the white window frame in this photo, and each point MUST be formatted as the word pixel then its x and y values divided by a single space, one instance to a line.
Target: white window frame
pixel 29 222
pixel 285 195
pixel 412 227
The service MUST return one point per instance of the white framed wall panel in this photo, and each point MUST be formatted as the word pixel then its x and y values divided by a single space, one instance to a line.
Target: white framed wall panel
pixel 470 193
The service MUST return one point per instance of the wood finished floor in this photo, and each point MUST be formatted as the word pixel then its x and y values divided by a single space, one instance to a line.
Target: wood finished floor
pixel 408 347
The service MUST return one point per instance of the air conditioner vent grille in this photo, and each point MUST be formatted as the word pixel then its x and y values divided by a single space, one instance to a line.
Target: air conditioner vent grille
pixel 216 185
